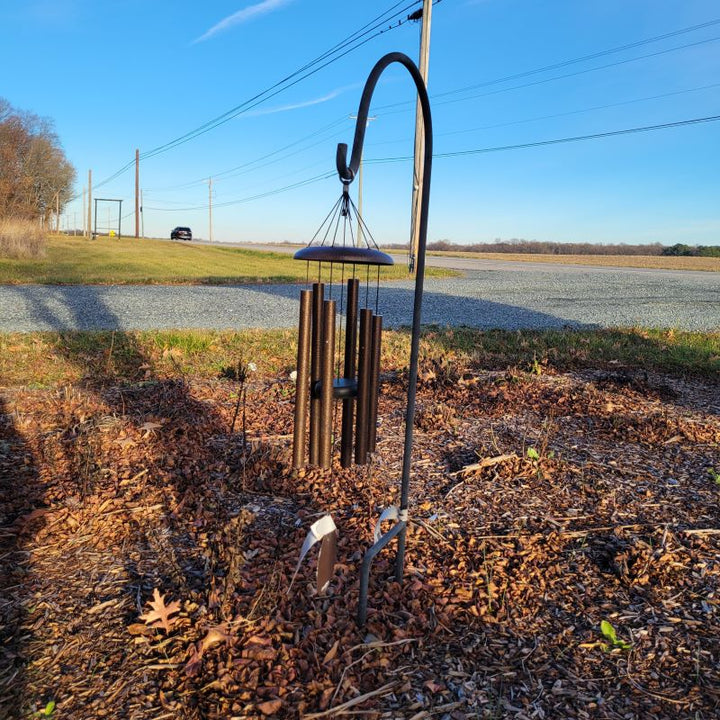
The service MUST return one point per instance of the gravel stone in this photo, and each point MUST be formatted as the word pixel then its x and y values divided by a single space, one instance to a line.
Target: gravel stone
pixel 523 296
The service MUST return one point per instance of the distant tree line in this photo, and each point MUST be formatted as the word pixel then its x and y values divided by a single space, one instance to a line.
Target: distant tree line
pixel 535 247
pixel 35 175
pixel 693 250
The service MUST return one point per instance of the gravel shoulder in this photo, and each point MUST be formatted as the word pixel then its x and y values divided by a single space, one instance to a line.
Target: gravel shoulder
pixel 515 298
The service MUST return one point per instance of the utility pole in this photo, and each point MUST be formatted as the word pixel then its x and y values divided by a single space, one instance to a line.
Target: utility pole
pixel 89 208
pixel 419 169
pixel 360 184
pixel 210 206
pixel 142 214
pixel 137 193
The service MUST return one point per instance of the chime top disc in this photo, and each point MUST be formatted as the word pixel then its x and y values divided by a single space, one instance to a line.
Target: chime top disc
pixel 344 254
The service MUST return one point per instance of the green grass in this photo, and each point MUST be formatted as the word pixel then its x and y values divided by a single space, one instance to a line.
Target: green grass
pixel 51 359
pixel 112 261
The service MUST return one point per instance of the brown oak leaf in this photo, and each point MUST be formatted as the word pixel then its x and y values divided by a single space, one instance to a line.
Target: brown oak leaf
pixel 160 613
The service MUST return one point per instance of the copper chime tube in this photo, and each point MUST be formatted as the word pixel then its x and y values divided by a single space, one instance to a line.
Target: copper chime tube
pixel 374 389
pixel 346 442
pixel 327 391
pixel 363 396
pixel 318 292
pixel 302 379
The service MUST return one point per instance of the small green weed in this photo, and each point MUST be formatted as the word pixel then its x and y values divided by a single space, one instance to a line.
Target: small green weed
pixel 610 635
pixel 47 711
pixel 714 475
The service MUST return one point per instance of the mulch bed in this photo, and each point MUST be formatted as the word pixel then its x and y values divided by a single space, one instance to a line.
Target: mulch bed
pixel 542 506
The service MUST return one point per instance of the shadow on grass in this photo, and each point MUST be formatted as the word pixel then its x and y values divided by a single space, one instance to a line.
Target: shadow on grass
pixel 71 469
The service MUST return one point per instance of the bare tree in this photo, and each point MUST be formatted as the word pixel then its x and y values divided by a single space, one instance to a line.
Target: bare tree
pixel 33 168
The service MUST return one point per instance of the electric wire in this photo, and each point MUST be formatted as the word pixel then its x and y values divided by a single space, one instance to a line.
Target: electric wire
pixel 267 93
pixel 284 84
pixel 459 153
pixel 578 72
pixel 564 63
pixel 555 141
pixel 357 34
pixel 567 113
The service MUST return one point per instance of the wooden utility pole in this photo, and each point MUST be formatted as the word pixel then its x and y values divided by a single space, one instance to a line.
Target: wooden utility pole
pixel 89 208
pixel 418 170
pixel 142 213
pixel 359 237
pixel 137 193
pixel 210 206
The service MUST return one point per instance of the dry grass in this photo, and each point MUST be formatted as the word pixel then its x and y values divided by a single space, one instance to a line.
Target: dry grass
pixel 21 239
pixel 654 262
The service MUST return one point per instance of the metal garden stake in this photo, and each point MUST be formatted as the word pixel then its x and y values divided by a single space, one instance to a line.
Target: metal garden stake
pixel 358 387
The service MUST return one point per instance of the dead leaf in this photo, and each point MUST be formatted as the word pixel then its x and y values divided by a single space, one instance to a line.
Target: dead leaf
pixel 270 707
pixel 214 635
pixel 331 653
pixel 160 613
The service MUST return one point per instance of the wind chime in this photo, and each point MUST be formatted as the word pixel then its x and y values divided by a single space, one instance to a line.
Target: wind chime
pixel 329 370
pixel 319 385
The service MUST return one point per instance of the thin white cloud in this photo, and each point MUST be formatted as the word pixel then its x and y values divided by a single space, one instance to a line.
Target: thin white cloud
pixel 242 16
pixel 306 103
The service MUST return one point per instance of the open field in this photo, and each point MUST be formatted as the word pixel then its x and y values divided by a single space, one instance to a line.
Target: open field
pixel 112 261
pixel 655 262
pixel 562 553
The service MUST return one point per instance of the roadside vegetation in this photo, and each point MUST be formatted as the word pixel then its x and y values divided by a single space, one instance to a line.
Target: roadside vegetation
pixel 21 239
pixel 71 260
pixel 50 358
pixel 36 179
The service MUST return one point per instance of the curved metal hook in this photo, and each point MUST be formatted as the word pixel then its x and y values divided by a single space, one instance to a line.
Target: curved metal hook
pixel 347 172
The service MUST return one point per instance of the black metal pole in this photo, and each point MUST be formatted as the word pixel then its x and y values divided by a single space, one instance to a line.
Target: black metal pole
pixel 347 174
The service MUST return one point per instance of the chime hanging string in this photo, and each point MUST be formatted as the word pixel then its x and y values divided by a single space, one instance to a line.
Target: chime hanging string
pixel 365 229
pixel 331 218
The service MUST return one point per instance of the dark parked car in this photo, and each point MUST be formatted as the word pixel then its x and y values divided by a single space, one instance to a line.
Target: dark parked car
pixel 181 233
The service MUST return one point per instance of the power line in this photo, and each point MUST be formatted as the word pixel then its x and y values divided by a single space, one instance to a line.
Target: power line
pixel 245 167
pixel 267 93
pixel 259 196
pixel 579 72
pixel 276 89
pixel 520 146
pixel 565 63
pixel 592 56
pixel 556 141
pixel 558 115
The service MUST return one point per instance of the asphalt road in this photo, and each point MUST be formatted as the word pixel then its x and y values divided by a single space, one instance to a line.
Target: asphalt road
pixel 493 294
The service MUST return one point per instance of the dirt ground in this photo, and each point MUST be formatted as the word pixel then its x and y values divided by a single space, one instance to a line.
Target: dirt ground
pixel 563 556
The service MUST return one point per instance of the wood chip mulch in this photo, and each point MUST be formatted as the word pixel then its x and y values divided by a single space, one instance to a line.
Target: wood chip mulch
pixel 545 509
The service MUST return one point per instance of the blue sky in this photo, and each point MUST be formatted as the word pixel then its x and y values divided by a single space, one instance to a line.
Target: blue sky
pixel 118 75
